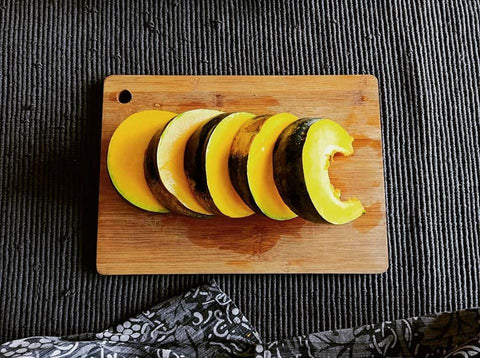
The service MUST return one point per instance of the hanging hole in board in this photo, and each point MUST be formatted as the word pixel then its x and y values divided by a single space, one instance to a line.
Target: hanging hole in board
pixel 124 96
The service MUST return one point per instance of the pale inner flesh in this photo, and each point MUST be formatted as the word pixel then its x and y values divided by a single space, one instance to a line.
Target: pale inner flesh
pixel 223 193
pixel 260 168
pixel 170 154
pixel 324 139
pixel 125 157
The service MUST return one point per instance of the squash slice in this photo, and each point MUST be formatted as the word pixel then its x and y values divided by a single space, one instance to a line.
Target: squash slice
pixel 206 165
pixel 251 164
pixel 126 154
pixel 164 163
pixel 301 159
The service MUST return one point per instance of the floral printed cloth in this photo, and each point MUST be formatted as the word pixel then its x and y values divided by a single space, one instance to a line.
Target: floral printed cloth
pixel 204 322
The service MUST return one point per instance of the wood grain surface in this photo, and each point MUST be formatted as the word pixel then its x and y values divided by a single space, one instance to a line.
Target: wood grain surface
pixel 131 241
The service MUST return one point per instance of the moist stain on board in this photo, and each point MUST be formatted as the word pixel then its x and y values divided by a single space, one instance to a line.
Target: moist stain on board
pixel 367 142
pixel 353 119
pixel 360 98
pixel 342 169
pixel 252 236
pixel 373 120
pixel 370 220
pixel 219 99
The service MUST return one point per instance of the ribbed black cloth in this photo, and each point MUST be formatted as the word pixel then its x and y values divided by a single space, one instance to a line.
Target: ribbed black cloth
pixel 53 57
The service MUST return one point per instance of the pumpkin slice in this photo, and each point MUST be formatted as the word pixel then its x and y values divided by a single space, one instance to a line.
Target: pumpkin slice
pixel 301 159
pixel 126 151
pixel 206 165
pixel 251 164
pixel 164 168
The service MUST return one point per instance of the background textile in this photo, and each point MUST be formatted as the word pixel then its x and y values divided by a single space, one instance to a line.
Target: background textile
pixel 204 322
pixel 53 58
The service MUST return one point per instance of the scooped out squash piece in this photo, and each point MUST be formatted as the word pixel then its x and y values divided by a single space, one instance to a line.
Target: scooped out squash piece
pixel 251 164
pixel 206 165
pixel 301 159
pixel 125 156
pixel 164 168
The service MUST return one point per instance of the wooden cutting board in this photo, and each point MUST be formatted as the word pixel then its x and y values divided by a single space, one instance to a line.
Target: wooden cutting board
pixel 132 241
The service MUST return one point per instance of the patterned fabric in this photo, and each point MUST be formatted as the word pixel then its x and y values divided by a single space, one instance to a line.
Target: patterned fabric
pixel 201 323
pixel 430 336
pixel 204 322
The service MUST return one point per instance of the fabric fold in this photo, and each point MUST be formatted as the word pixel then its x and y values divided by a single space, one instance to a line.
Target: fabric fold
pixel 204 322
pixel 452 334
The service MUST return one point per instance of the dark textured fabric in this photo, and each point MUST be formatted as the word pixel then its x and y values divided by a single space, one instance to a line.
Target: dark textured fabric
pixel 53 57
pixel 204 322
pixel 449 334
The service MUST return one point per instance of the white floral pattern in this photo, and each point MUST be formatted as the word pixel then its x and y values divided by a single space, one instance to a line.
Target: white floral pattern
pixel 454 334
pixel 204 322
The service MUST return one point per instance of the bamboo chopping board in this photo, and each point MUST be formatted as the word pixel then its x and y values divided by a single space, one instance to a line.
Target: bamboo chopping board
pixel 132 241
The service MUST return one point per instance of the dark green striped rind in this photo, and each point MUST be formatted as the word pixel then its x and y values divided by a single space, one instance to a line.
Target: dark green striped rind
pixel 288 169
pixel 238 160
pixel 155 184
pixel 195 160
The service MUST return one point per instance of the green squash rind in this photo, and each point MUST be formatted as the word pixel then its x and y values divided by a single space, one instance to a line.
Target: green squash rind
pixel 238 160
pixel 195 163
pixel 288 169
pixel 155 184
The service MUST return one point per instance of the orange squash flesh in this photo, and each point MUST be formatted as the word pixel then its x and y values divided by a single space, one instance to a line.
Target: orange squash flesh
pixel 170 156
pixel 223 193
pixel 126 154
pixel 324 139
pixel 260 168
pixel 301 159
pixel 251 164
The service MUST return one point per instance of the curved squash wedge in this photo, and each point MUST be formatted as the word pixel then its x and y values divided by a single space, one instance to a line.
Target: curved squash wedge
pixel 206 165
pixel 125 157
pixel 251 164
pixel 301 159
pixel 164 163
